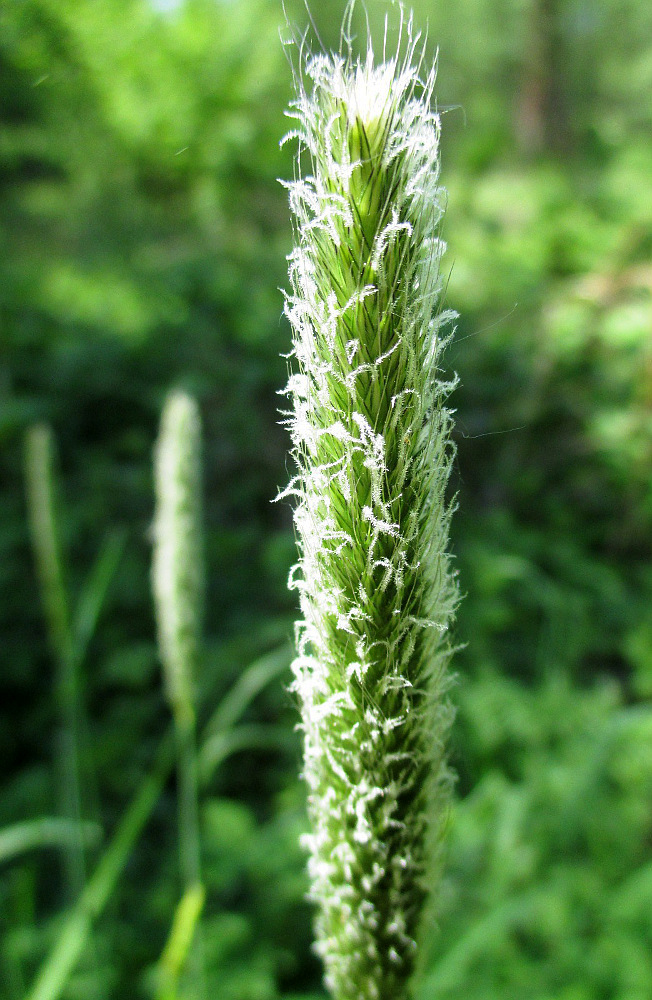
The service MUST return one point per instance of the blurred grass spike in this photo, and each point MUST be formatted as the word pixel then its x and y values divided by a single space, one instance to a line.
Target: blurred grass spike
pixel 44 526
pixel 371 436
pixel 178 582
pixel 178 569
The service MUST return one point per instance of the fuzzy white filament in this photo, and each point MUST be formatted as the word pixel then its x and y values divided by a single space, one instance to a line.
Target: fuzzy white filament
pixel 371 437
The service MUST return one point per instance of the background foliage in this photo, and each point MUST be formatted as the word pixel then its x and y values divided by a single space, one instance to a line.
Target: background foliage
pixel 143 239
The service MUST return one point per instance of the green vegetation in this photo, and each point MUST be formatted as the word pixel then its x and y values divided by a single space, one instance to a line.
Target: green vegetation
pixel 143 242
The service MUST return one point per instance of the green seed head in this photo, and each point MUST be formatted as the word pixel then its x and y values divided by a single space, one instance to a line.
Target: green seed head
pixel 371 435
pixel 178 572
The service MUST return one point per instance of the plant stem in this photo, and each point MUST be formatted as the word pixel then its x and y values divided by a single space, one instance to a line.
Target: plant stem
pixel 182 935
pixel 189 840
pixel 189 836
pixel 41 497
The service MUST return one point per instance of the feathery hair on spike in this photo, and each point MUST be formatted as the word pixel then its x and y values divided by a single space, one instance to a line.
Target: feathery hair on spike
pixel 177 570
pixel 371 438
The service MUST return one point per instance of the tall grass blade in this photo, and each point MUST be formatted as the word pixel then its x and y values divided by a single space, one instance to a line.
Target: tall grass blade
pixel 46 831
pixel 95 591
pixel 249 684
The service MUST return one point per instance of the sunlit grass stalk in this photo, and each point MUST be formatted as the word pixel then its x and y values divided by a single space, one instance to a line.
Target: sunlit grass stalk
pixel 178 580
pixel 180 941
pixel 371 435
pixel 44 526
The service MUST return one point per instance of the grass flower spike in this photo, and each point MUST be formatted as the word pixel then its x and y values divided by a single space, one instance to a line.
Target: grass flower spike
pixel 177 571
pixel 178 583
pixel 371 437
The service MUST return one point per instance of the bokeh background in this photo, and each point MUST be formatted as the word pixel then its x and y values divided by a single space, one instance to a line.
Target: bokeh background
pixel 143 238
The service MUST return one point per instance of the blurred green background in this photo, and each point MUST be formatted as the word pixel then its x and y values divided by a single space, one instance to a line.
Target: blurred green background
pixel 143 237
